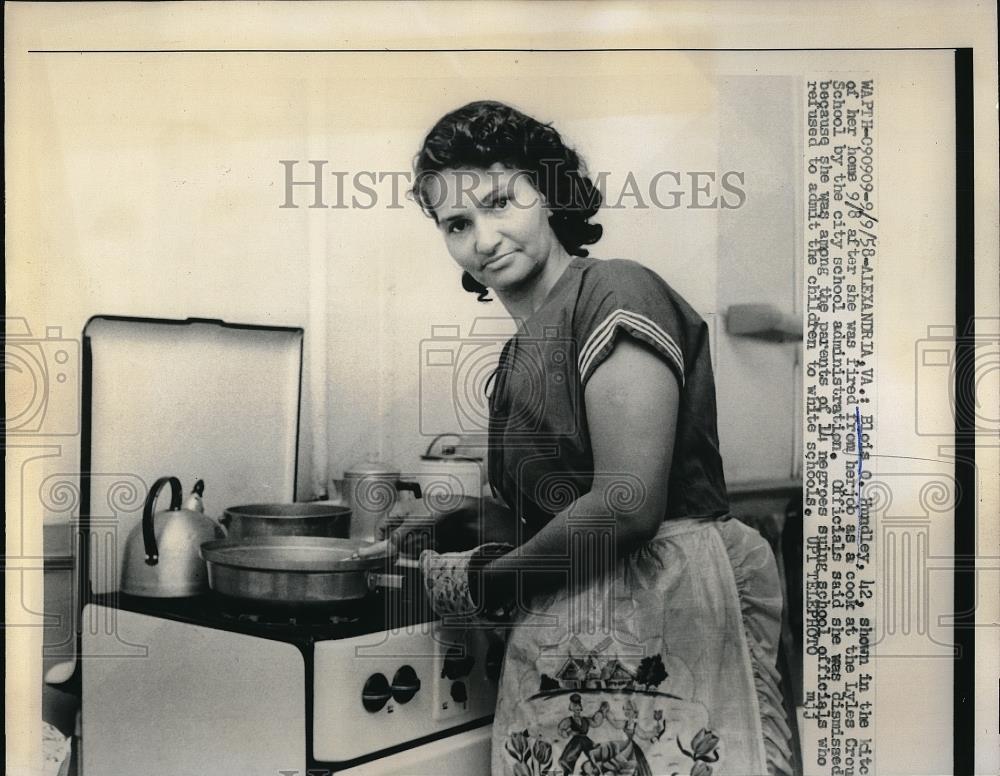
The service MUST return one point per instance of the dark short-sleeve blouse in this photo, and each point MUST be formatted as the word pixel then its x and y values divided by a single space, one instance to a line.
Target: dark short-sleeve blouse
pixel 540 456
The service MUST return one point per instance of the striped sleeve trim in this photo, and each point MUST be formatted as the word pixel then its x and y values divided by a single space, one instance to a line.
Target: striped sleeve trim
pixel 639 325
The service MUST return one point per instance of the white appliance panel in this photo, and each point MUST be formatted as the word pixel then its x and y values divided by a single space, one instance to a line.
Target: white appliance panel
pixel 193 399
pixel 163 698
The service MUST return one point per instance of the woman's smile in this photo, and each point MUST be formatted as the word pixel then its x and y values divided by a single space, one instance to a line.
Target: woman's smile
pixel 498 263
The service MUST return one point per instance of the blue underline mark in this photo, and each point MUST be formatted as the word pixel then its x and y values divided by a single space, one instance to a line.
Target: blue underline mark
pixel 857 429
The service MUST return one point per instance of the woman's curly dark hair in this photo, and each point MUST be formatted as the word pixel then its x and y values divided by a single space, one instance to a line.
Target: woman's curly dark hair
pixel 484 133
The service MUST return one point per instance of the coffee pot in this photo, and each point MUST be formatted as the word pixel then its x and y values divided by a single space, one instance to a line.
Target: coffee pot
pixel 371 489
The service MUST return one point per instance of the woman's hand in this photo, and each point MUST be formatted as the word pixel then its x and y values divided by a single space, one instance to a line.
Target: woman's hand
pixel 469 523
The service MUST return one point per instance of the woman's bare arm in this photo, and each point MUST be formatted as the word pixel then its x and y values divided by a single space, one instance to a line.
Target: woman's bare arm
pixel 631 402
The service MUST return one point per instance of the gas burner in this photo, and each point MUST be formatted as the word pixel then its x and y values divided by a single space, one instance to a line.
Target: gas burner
pixel 301 619
pixel 258 613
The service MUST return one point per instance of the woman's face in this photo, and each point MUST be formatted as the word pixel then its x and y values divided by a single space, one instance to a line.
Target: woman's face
pixel 495 224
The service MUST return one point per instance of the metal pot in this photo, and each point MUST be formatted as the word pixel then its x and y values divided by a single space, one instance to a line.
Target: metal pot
pixel 448 476
pixel 254 520
pixel 295 571
pixel 371 489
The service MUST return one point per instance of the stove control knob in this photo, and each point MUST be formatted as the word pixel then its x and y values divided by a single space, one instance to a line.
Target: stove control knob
pixel 459 692
pixel 456 664
pixel 405 684
pixel 376 693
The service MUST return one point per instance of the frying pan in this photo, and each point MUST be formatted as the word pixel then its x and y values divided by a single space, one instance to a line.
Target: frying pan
pixel 297 570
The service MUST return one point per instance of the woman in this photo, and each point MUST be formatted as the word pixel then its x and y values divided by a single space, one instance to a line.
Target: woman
pixel 626 579
pixel 629 752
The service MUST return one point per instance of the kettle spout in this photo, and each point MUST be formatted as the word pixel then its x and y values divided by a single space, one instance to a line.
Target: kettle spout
pixel 194 501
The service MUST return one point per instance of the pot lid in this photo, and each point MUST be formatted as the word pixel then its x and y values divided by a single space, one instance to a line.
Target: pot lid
pixel 371 467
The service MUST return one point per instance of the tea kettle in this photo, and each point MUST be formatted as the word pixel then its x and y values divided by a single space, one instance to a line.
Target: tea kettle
pixel 162 557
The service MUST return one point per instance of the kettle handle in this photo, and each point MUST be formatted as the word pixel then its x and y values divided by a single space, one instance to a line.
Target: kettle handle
pixel 148 530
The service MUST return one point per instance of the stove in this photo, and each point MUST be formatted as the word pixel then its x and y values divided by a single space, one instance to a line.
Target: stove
pixel 206 685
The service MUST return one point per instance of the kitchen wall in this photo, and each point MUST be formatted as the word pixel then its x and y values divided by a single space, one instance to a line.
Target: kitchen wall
pixel 391 281
pixel 759 382
pixel 159 195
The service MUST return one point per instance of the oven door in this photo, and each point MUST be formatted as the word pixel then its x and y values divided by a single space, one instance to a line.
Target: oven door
pixel 460 755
